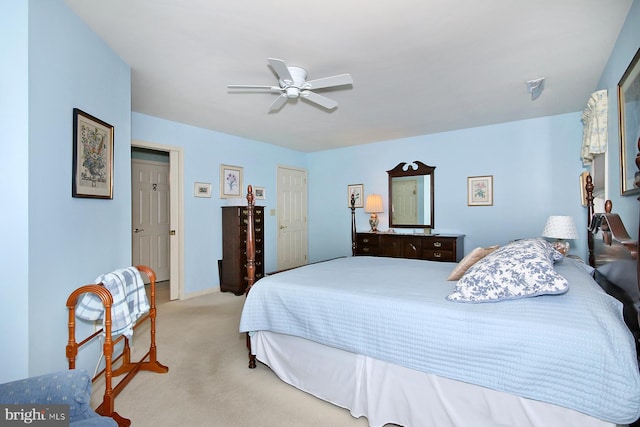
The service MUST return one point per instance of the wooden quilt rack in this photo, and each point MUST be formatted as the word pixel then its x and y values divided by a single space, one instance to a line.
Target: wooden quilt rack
pixel 148 362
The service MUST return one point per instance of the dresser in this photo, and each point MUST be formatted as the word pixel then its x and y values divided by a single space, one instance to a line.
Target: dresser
pixel 433 247
pixel 233 274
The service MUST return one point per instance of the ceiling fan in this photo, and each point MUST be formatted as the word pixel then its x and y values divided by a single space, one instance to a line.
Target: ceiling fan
pixel 293 84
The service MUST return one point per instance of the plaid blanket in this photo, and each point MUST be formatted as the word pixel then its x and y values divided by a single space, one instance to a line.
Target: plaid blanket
pixel 129 301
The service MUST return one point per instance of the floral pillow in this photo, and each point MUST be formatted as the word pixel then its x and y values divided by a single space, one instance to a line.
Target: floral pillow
pixel 521 269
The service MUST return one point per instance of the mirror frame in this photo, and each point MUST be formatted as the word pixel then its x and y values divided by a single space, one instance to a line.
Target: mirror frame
pixel 416 168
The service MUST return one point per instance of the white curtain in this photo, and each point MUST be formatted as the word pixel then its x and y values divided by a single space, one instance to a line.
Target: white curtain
pixel 594 119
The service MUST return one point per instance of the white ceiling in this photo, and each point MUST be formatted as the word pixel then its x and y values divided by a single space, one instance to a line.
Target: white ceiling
pixel 419 66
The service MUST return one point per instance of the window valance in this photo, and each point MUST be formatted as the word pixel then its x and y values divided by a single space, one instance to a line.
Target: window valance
pixel 594 119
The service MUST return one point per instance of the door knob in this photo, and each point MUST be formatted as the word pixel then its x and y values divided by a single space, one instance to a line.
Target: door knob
pixel 137 230
pixel 283 226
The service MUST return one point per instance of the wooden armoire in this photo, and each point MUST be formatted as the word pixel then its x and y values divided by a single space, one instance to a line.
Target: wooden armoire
pixel 233 274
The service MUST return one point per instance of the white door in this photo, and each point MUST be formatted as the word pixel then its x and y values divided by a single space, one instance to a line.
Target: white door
pixel 150 216
pixel 292 217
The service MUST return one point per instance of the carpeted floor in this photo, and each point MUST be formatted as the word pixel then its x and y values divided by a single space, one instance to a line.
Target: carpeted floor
pixel 208 383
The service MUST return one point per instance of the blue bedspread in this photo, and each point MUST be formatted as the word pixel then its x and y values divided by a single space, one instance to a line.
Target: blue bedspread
pixel 572 350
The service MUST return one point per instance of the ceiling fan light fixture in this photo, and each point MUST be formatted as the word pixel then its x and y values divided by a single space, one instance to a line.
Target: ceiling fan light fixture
pixel 299 75
pixel 293 92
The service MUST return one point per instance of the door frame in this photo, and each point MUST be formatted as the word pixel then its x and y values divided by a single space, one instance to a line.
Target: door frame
pixel 176 214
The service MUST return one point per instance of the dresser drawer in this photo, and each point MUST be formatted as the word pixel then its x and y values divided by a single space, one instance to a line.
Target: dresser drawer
pixel 439 255
pixel 258 230
pixel 367 250
pixel 257 211
pixel 439 244
pixel 367 244
pixel 441 248
pixel 366 240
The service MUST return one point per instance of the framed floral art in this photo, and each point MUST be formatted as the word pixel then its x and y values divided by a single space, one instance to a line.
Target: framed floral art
pixel 92 157
pixel 357 191
pixel 230 181
pixel 480 190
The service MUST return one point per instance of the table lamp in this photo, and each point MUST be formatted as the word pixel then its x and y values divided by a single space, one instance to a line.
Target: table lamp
pixel 374 207
pixel 561 228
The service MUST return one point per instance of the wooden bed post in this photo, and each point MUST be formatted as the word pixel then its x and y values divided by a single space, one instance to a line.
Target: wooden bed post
pixel 636 182
pixel 590 211
pixel 354 243
pixel 251 260
pixel 251 241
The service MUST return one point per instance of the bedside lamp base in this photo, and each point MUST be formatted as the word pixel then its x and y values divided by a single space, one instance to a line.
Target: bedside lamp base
pixel 561 246
pixel 373 222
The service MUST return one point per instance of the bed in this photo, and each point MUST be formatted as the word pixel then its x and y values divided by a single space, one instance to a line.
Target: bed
pixel 390 340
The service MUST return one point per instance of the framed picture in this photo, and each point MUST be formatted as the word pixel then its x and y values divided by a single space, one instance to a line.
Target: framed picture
pixel 583 190
pixel 259 193
pixel 480 190
pixel 230 181
pixel 202 189
pixel 357 190
pixel 92 157
pixel 629 118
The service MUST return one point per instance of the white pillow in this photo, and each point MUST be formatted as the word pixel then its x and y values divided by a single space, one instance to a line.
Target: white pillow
pixel 523 268
pixel 471 258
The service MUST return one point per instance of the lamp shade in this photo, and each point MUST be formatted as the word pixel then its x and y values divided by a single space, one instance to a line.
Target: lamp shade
pixel 373 204
pixel 560 227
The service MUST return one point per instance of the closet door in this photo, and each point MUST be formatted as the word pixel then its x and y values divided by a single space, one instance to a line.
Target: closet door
pixel 150 216
pixel 292 218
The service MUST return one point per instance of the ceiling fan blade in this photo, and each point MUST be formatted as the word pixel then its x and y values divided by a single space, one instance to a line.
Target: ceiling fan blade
pixel 339 80
pixel 323 101
pixel 279 102
pixel 281 70
pixel 275 89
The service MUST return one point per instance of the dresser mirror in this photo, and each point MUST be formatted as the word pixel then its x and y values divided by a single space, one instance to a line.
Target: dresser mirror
pixel 411 196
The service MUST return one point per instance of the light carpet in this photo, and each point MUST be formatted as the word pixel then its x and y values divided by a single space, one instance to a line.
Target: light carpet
pixel 209 383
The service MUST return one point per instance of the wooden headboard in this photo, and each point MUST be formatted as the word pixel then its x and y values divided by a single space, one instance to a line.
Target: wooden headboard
pixel 608 238
pixel 613 232
pixel 610 243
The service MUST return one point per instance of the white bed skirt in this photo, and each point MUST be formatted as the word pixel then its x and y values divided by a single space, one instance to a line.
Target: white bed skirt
pixel 387 393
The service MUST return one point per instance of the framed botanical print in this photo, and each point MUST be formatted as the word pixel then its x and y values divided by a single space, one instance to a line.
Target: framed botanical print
pixel 357 191
pixel 92 157
pixel 480 190
pixel 230 181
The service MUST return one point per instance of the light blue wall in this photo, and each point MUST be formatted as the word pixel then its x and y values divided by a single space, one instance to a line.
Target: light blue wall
pixel 204 152
pixel 14 189
pixel 535 166
pixel 69 240
pixel 626 47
